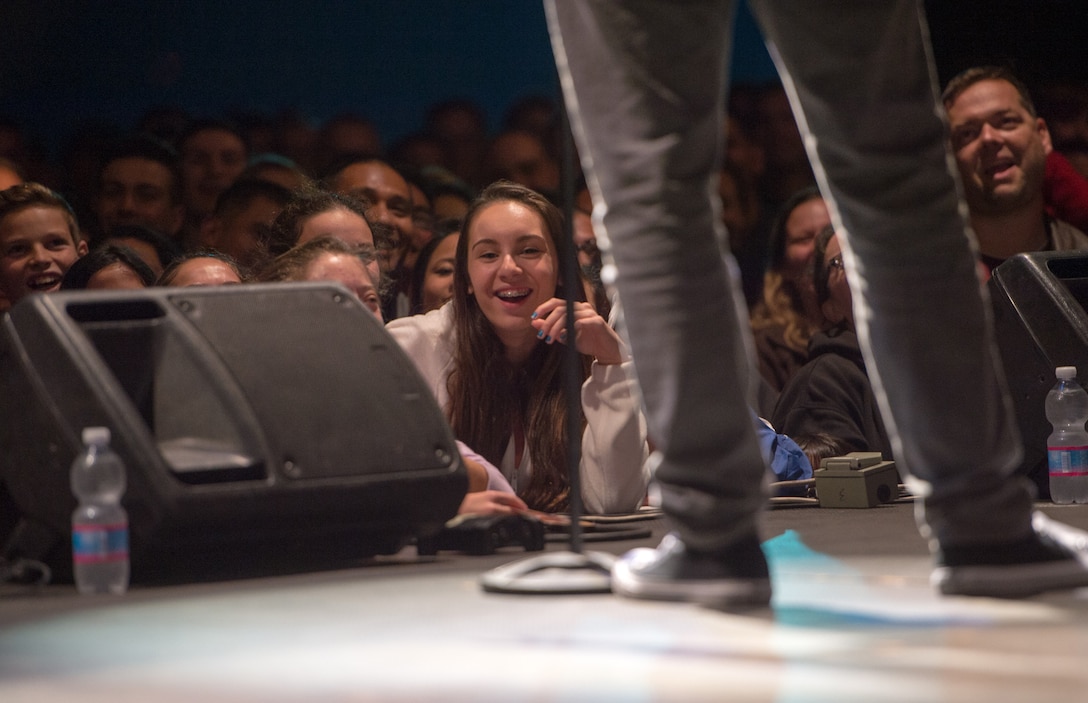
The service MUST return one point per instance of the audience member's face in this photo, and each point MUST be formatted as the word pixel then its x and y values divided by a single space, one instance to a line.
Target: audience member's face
pixel 211 161
pixel 36 249
pixel 839 304
pixel 346 226
pixel 137 191
pixel 144 250
pixel 438 279
pixel 999 147
pixel 522 158
pixel 8 178
pixel 385 192
pixel 204 271
pixel 240 235
pixel 511 267
pixel 350 271
pixel 803 224
pixel 116 276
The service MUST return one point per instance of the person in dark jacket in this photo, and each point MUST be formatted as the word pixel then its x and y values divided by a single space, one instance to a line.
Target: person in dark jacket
pixel 831 393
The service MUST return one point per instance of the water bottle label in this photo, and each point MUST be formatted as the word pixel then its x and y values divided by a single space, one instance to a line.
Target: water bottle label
pixel 1068 461
pixel 95 544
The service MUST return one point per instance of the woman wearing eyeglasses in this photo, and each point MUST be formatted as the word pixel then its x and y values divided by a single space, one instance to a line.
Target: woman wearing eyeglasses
pixel 831 394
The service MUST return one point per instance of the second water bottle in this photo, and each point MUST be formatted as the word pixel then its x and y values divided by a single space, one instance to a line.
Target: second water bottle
pixel 1067 445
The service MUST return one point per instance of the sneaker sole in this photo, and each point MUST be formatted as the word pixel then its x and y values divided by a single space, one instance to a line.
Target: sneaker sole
pixel 1011 580
pixel 718 593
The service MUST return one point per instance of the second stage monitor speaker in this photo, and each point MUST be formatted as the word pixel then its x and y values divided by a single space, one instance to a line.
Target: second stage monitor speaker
pixel 1040 322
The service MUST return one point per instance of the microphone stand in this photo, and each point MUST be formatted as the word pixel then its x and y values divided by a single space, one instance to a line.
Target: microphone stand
pixel 573 571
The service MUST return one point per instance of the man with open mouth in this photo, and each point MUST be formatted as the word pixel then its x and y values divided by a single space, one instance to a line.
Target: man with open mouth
pixel 1001 148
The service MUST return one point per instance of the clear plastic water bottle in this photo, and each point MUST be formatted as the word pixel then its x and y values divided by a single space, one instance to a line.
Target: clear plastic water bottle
pixel 99 524
pixel 1067 445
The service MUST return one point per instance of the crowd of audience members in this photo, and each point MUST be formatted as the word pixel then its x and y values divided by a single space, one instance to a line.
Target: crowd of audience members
pixel 452 237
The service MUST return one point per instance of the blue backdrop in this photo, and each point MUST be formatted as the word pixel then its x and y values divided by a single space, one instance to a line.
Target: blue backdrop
pixel 63 62
pixel 67 61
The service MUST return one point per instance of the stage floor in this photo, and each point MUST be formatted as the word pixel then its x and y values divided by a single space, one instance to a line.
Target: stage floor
pixel 853 619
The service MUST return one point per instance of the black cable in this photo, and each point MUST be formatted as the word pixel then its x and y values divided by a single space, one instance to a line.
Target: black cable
pixel 25 571
pixel 572 359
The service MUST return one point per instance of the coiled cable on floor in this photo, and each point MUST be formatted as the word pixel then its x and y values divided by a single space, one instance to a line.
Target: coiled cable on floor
pixel 29 572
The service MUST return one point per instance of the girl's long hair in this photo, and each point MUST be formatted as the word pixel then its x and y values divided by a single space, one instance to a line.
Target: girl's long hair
pixel 489 397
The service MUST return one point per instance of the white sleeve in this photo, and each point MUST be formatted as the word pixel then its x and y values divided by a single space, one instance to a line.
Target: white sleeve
pixel 495 480
pixel 614 448
pixel 427 340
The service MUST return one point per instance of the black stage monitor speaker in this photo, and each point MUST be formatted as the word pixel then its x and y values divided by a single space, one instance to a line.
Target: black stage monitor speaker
pixel 261 426
pixel 1040 301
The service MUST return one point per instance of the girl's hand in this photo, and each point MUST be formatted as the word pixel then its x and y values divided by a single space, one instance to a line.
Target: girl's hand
pixel 491 503
pixel 592 333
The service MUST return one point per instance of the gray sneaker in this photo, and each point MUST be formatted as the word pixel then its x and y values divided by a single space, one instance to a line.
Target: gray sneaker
pixel 1054 558
pixel 732 577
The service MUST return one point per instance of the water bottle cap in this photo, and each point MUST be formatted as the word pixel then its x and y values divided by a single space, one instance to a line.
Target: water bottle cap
pixel 98 436
pixel 1066 373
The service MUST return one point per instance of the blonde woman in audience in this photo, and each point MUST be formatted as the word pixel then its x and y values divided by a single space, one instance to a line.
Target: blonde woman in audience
pixel 785 319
